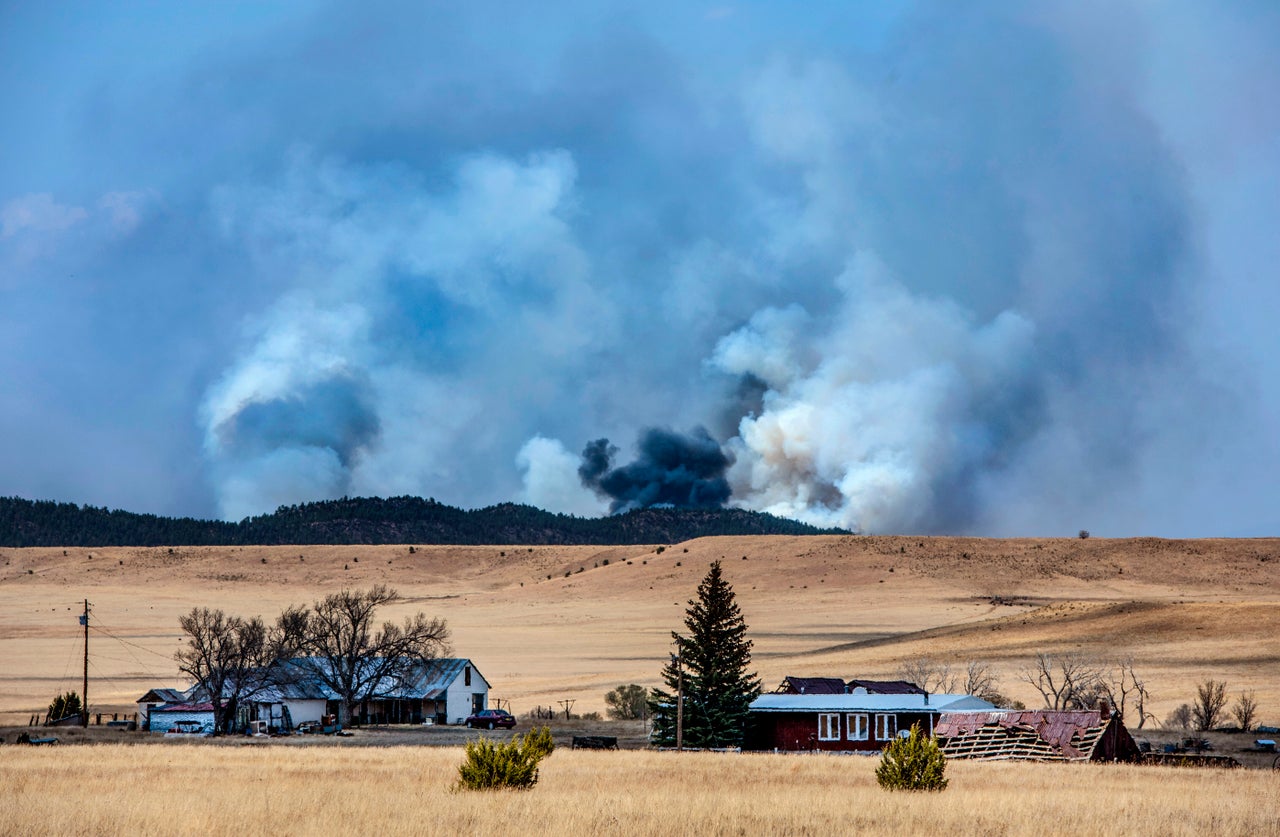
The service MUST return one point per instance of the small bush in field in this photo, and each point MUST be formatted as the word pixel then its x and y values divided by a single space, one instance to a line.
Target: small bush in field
pixel 912 763
pixel 511 764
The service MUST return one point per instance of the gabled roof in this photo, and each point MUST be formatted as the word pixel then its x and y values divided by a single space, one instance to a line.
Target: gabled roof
pixel 867 703
pixel 885 687
pixel 1038 734
pixel 811 686
pixel 163 696
pixel 432 681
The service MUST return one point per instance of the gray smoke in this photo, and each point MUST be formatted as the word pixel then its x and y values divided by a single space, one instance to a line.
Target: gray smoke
pixel 670 470
pixel 983 267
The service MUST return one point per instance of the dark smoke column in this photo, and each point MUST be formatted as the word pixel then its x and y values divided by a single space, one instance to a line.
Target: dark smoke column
pixel 670 469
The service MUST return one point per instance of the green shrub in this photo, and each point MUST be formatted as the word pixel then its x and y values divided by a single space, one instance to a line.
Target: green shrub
pixel 64 706
pixel 538 742
pixel 512 764
pixel 912 763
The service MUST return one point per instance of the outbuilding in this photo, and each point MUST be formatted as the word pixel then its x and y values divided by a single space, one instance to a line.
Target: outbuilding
pixel 845 722
pixel 196 715
pixel 1036 735
pixel 155 698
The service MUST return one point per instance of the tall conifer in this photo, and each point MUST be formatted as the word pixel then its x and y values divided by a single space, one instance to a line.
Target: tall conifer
pixel 715 656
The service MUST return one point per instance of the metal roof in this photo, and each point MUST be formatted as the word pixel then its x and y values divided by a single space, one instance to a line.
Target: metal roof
pixel 184 707
pixel 868 703
pixel 163 696
pixel 886 687
pixel 297 680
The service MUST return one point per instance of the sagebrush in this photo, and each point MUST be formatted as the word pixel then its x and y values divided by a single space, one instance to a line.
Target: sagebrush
pixel 913 763
pixel 510 764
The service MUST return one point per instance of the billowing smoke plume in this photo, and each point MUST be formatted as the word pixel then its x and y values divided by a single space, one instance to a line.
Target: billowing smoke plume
pixel 993 268
pixel 881 416
pixel 670 469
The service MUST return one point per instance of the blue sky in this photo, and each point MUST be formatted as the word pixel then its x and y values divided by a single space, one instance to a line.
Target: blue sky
pixel 915 267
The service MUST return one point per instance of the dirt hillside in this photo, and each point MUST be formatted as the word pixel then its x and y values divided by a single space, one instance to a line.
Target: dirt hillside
pixel 547 623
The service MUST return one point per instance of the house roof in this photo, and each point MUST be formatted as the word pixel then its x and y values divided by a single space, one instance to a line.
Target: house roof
pixel 433 680
pixel 811 686
pixel 886 687
pixel 867 703
pixel 184 707
pixel 163 696
pixel 298 680
pixel 1041 734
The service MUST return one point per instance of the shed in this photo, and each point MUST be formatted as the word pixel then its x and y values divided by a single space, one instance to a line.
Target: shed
pixel 842 722
pixel 154 698
pixel 1035 735
pixel 162 718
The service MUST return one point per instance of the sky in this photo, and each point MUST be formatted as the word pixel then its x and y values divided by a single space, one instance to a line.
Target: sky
pixel 986 268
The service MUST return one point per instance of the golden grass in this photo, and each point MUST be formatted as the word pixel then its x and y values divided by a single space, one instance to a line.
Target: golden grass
pixel 816 606
pixel 214 790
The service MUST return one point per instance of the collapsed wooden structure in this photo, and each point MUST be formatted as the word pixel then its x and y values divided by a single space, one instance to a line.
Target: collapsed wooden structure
pixel 1036 735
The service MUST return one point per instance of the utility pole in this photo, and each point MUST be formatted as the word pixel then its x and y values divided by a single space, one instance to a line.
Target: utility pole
pixel 84 687
pixel 567 704
pixel 675 658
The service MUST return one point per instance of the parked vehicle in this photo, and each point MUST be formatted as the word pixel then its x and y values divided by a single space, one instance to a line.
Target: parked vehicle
pixel 490 718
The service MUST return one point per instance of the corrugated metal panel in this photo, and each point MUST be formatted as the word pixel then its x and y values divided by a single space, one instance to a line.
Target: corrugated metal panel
pixel 1043 734
pixel 865 703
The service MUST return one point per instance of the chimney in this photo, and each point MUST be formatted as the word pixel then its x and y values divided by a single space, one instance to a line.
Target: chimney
pixel 1104 709
pixel 926 697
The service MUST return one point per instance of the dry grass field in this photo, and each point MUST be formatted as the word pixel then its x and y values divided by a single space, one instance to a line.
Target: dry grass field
pixel 215 790
pixel 547 623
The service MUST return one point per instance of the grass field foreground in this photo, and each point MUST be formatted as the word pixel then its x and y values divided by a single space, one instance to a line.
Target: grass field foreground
pixel 180 790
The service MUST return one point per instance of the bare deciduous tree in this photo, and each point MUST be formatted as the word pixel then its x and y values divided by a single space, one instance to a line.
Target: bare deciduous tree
pixel 1123 687
pixel 1067 681
pixel 227 657
pixel 929 674
pixel 1179 718
pixel 1206 709
pixel 339 643
pixel 981 682
pixel 1245 710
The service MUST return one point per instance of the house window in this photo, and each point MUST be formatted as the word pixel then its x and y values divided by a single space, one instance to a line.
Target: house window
pixel 828 727
pixel 857 725
pixel 886 727
pixel 466 676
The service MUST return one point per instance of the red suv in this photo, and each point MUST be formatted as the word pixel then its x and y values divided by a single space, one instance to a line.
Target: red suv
pixel 490 718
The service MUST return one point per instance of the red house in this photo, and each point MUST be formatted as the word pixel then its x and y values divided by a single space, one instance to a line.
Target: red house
pixel 844 722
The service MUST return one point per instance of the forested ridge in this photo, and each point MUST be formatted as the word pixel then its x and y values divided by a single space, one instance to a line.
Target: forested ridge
pixel 375 520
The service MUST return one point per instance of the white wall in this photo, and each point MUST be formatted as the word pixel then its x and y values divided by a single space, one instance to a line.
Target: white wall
pixel 458 696
pixel 305 710
pixel 161 721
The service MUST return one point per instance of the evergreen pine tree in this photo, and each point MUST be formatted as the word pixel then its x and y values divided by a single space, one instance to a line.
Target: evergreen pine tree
pixel 715 656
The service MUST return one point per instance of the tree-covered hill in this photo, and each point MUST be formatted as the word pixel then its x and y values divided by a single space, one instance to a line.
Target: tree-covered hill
pixel 375 520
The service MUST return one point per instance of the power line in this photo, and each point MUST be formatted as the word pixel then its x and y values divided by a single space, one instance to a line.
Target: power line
pixel 107 633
